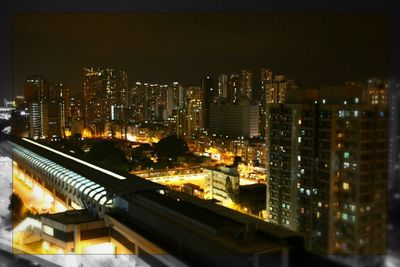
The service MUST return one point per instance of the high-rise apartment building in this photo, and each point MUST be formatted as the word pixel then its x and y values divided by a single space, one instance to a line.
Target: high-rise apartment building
pixel 59 109
pixel 122 88
pixel 328 171
pixel 94 97
pixel 234 88
pixel 36 92
pixel 178 96
pixel 209 92
pixel 222 86
pixel 77 117
pixel 137 99
pixel 246 84
pixel 234 120
pixel 266 80
pixel 105 94
pixel 194 114
pixel 377 92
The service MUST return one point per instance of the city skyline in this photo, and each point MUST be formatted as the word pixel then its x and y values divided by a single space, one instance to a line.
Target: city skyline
pixel 178 126
pixel 183 47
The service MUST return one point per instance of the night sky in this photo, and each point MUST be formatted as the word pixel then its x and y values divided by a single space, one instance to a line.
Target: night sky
pixel 311 49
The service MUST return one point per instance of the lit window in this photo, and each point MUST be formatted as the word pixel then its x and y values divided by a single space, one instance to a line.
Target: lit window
pixel 356 100
pixel 319 204
pixel 356 113
pixel 318 214
pixel 346 155
pixel 48 230
pixel 308 192
pixel 346 165
pixel 345 216
pixel 346 186
pixel 299 140
pixel 299 121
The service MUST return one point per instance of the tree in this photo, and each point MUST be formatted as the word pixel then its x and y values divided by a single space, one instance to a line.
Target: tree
pixel 15 207
pixel 109 155
pixel 171 147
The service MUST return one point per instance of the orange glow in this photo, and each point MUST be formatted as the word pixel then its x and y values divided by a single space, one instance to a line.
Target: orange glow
pixel 87 133
pixel 67 133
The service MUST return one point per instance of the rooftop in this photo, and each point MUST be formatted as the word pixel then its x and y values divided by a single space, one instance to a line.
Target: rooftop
pixel 72 217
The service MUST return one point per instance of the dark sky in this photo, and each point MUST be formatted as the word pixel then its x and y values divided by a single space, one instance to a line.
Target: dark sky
pixel 310 48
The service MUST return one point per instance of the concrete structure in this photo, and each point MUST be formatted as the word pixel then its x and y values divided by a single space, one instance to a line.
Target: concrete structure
pixel 71 229
pixel 233 89
pixel 36 92
pixel 209 92
pixel 328 171
pixel 222 184
pixel 246 84
pixel 104 92
pixel 239 120
pixel 164 227
pixel 194 110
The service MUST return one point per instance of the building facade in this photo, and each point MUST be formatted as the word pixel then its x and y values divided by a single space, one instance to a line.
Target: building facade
pixel 328 173
pixel 234 120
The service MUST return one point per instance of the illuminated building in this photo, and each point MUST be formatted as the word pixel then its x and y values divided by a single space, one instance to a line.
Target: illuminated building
pixel 20 117
pixel 137 99
pixel 194 114
pixel 377 92
pixel 283 165
pixel 153 102
pixel 255 154
pixel 66 111
pixel 246 84
pixel 222 184
pixel 36 92
pixel 169 102
pixel 266 80
pixel 122 88
pixel 234 88
pixel 150 102
pixel 71 229
pixel 178 95
pixel 328 171
pixel 105 96
pixel 234 120
pixel 209 92
pixel 93 98
pixel 119 107
pixel 178 121
pixel 222 86
pixel 77 115
pixel 59 109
